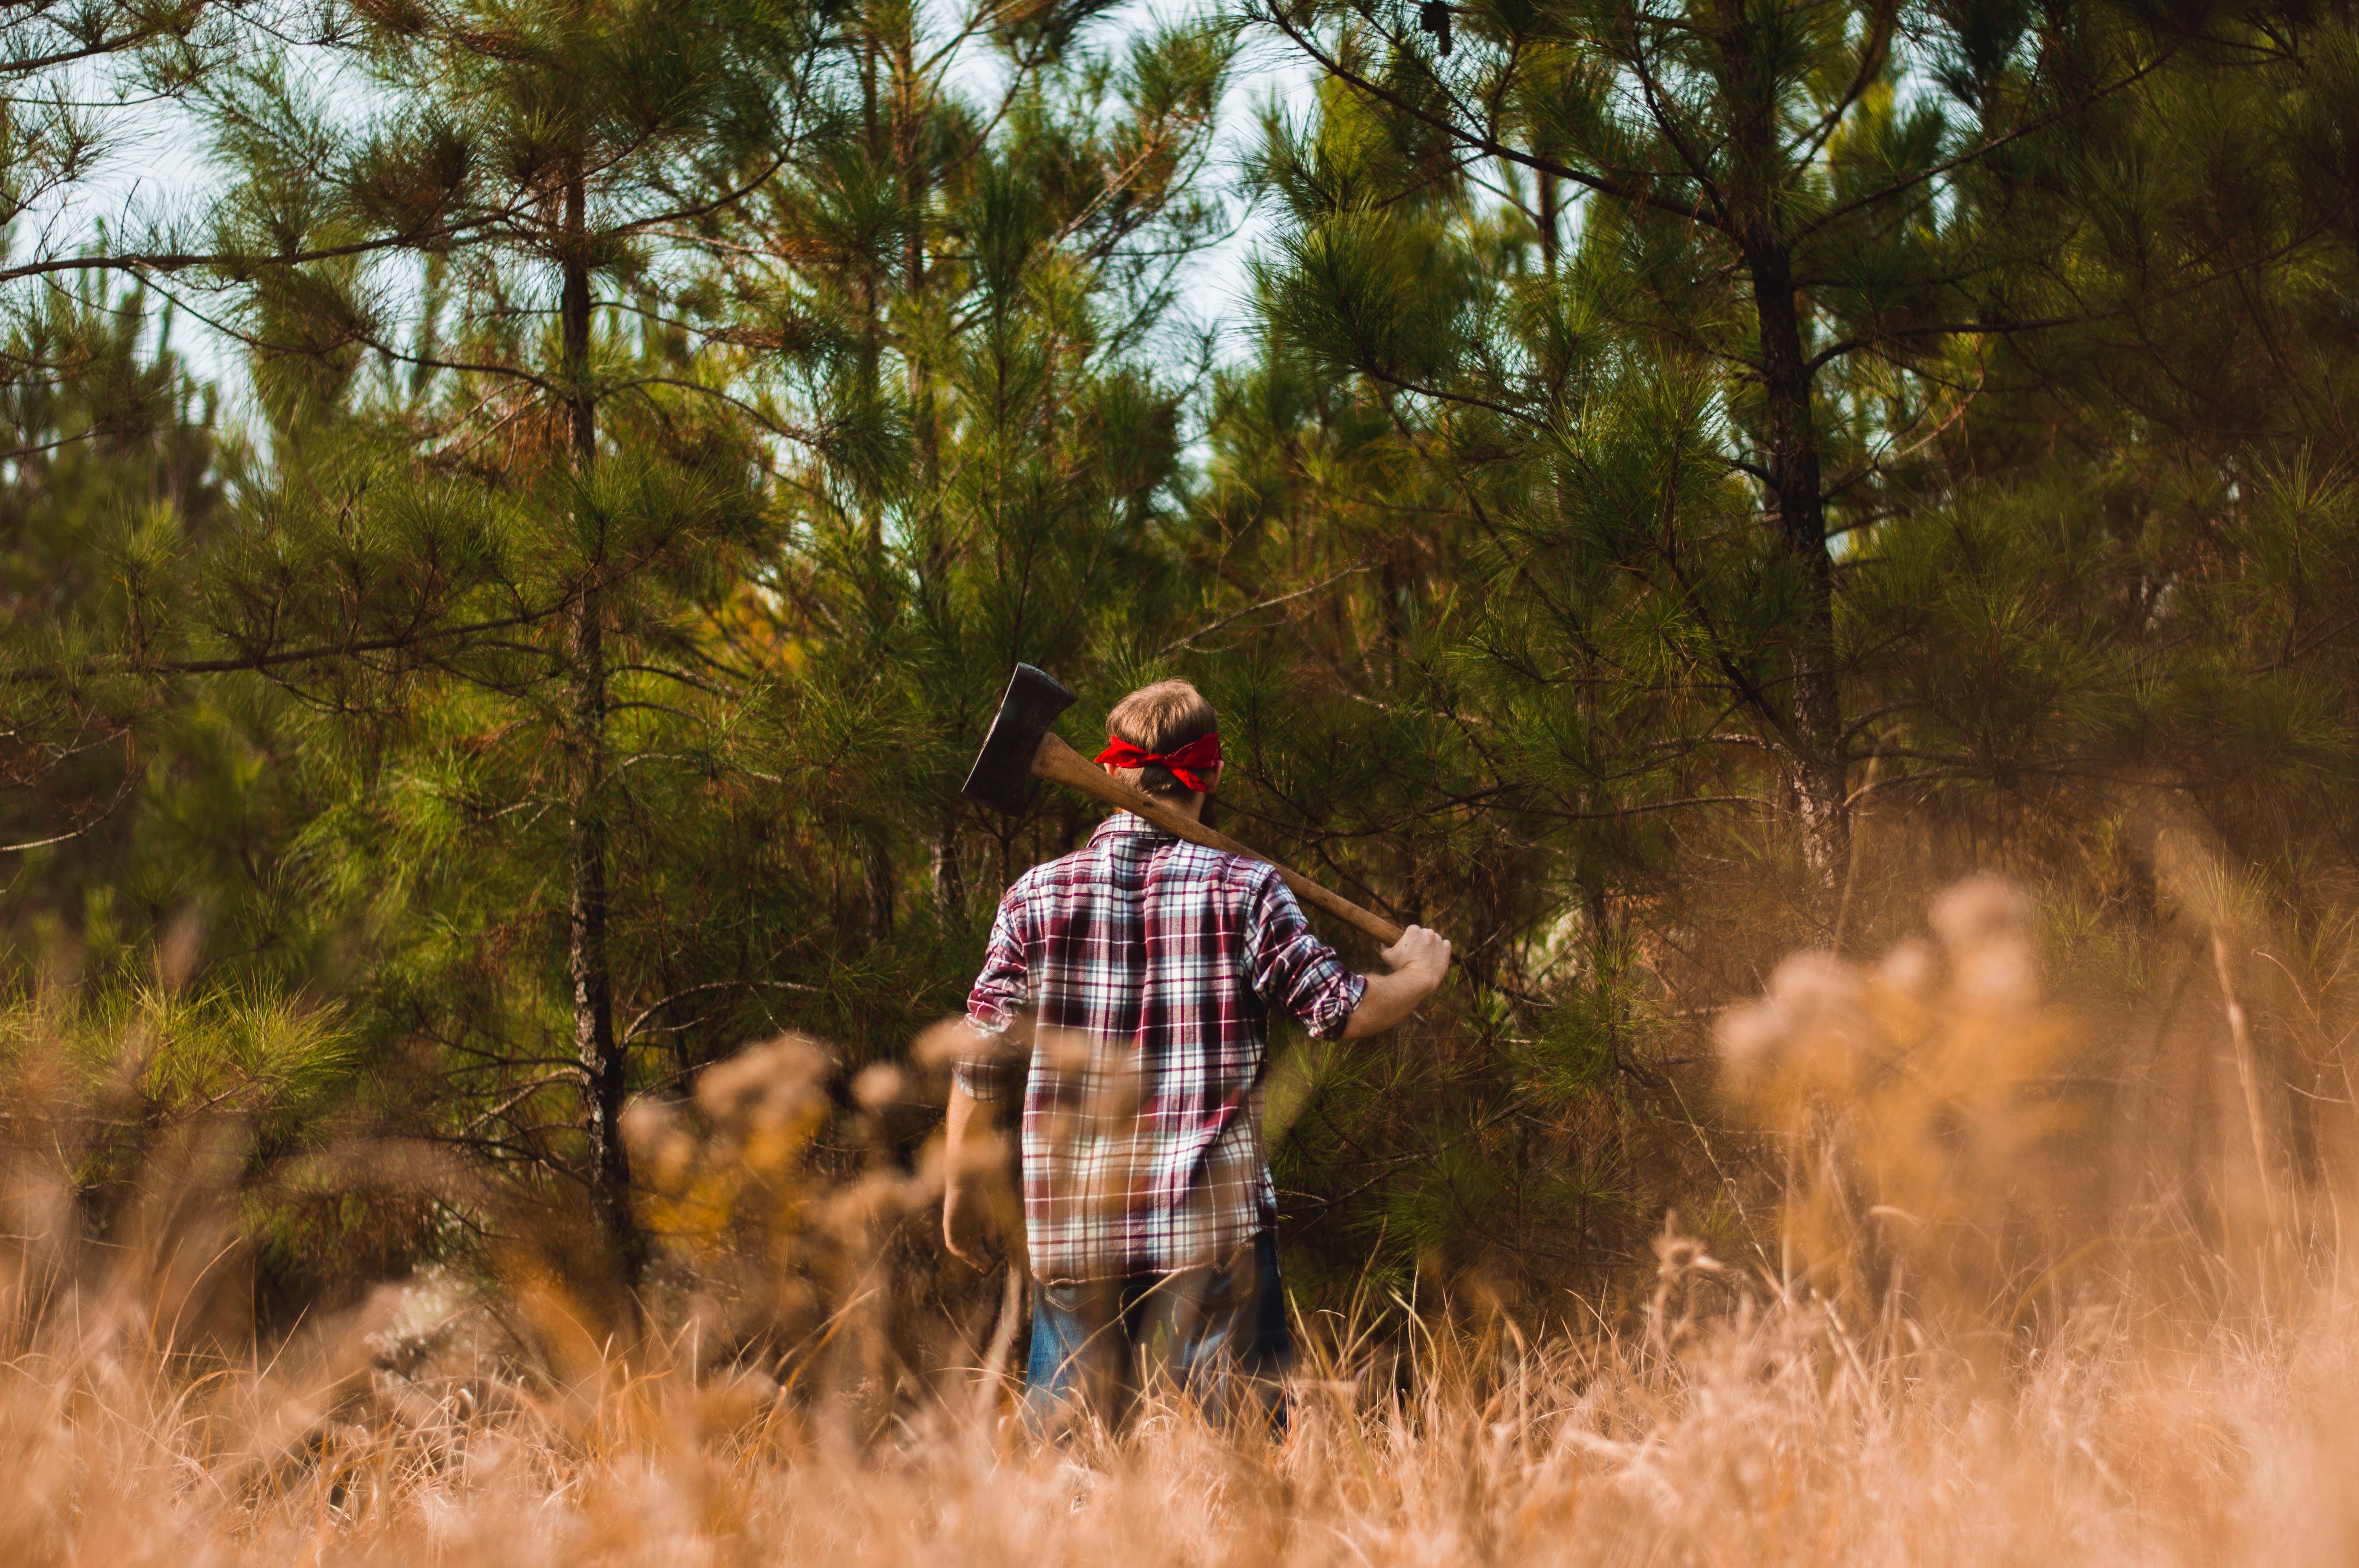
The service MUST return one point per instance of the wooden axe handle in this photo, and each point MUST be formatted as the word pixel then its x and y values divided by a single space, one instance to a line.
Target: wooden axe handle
pixel 1060 763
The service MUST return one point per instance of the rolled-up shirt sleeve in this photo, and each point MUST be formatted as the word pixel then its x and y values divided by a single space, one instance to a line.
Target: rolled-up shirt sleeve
pixel 988 1069
pixel 1293 970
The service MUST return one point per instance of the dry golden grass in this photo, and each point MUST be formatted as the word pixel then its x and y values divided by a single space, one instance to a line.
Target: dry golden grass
pixel 1949 1359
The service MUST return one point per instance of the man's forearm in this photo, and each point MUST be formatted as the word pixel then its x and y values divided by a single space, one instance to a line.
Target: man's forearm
pixel 968 1148
pixel 968 1121
pixel 1388 1000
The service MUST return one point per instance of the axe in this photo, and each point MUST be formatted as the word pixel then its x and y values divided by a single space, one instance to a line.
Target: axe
pixel 1021 746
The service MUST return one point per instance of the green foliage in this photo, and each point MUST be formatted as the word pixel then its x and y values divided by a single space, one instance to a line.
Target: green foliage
pixel 1699 474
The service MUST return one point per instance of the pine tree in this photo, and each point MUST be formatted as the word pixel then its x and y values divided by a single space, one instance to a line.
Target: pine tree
pixel 83 89
pixel 1794 231
pixel 508 198
pixel 113 475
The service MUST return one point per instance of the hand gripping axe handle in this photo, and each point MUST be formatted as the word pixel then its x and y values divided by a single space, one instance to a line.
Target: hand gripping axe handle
pixel 1021 746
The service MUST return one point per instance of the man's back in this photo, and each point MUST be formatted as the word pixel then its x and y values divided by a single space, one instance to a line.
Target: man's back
pixel 1148 966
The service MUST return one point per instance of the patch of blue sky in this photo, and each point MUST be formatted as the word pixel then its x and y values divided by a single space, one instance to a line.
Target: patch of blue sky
pixel 158 174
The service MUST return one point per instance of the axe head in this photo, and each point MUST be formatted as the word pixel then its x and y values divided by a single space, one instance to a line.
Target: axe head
pixel 1004 767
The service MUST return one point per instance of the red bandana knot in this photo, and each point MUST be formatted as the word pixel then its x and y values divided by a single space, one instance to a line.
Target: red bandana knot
pixel 1192 764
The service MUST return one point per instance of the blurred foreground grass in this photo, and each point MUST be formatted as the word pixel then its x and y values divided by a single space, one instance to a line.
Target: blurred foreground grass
pixel 1948 1348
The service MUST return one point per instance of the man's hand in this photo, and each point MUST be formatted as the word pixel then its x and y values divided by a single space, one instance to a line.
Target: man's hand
pixel 1419 961
pixel 1426 951
pixel 965 1223
pixel 971 1146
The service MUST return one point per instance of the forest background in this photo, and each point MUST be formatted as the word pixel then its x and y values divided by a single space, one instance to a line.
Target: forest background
pixel 1691 478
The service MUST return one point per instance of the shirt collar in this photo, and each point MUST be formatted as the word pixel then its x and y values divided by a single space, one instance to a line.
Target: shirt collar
pixel 1125 822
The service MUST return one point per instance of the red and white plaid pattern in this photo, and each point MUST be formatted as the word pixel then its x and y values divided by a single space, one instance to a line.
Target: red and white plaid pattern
pixel 1145 967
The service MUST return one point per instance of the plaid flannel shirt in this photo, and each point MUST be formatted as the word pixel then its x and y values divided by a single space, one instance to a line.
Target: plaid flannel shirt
pixel 1145 967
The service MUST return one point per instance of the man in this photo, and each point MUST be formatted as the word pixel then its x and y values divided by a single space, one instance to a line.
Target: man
pixel 1127 988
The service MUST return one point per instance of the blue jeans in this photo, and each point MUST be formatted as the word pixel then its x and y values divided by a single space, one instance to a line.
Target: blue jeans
pixel 1215 1334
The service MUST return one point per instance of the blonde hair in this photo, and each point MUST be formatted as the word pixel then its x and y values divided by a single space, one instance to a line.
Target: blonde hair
pixel 1161 717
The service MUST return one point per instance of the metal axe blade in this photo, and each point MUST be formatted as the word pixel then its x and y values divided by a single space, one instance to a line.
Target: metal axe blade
pixel 1004 768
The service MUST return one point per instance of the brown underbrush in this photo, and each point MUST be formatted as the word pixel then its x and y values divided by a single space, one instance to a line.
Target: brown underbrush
pixel 1962 1336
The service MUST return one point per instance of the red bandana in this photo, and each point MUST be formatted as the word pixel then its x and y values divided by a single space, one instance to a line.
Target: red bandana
pixel 1192 764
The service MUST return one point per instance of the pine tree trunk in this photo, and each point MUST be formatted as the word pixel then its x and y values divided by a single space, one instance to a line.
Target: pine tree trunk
pixel 925 425
pixel 1814 746
pixel 599 1053
pixel 949 877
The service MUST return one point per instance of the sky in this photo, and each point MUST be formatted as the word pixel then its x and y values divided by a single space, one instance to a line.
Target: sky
pixel 154 163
